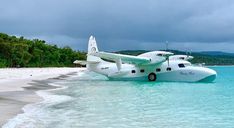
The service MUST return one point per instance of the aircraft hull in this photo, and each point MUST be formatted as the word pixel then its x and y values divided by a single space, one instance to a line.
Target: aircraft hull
pixel 188 74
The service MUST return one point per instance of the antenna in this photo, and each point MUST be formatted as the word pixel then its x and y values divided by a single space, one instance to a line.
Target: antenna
pixel 189 52
pixel 166 45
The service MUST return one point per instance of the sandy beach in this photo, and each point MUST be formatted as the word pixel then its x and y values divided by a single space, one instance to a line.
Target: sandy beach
pixel 18 86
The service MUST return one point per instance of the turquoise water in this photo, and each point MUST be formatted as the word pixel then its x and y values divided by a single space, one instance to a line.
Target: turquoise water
pixel 89 100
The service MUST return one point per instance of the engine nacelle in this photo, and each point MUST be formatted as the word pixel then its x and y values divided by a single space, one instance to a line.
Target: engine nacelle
pixel 180 57
pixel 156 56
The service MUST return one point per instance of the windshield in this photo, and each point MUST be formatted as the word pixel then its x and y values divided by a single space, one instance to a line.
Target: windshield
pixel 182 65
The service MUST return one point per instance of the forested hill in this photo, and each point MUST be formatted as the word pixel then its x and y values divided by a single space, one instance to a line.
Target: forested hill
pixel 20 52
pixel 209 58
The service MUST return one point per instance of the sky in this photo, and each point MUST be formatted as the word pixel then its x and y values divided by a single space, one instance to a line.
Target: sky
pixel 190 25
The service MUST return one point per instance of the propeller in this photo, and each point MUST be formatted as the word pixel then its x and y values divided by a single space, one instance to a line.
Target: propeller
pixel 167 56
pixel 119 64
pixel 167 61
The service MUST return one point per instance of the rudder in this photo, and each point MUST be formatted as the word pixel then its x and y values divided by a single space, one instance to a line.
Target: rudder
pixel 92 48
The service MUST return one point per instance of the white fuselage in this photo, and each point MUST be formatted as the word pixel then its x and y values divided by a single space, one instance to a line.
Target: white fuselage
pixel 185 73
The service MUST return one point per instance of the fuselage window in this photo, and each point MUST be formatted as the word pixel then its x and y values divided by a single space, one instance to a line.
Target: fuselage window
pixel 142 70
pixel 133 71
pixel 158 70
pixel 181 65
pixel 168 69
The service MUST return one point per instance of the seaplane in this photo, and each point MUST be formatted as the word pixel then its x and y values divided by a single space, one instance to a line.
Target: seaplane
pixel 160 66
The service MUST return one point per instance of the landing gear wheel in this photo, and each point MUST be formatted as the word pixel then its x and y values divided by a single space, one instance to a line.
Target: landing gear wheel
pixel 152 77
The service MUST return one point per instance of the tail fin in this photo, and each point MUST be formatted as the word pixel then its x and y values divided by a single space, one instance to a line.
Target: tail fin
pixel 92 48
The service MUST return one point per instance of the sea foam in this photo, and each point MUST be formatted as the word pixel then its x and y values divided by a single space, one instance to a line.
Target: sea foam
pixel 32 113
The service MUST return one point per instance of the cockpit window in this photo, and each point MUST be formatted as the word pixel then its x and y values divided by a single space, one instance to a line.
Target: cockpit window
pixel 181 65
pixel 160 54
pixel 182 58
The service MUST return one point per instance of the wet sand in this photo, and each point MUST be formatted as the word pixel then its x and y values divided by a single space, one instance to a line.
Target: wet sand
pixel 16 93
pixel 11 103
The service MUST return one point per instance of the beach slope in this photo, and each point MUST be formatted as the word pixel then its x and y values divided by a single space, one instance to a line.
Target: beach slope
pixel 17 90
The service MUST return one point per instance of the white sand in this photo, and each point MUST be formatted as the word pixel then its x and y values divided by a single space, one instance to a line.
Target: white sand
pixel 13 79
pixel 13 97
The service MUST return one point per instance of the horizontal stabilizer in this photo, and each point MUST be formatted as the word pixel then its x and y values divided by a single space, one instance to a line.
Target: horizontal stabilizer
pixel 82 62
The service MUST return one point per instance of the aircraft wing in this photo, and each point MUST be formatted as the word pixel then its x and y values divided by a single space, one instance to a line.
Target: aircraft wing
pixel 124 58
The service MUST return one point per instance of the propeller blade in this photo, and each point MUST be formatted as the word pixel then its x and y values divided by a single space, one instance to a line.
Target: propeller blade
pixel 168 61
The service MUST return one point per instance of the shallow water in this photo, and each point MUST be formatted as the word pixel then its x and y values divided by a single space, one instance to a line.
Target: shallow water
pixel 89 100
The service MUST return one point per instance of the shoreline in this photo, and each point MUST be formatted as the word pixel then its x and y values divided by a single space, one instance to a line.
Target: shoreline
pixel 15 93
pixel 220 65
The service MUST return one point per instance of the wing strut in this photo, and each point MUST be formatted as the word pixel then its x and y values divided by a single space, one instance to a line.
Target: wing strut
pixel 119 64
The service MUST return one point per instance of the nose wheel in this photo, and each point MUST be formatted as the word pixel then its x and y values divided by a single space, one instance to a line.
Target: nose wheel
pixel 152 77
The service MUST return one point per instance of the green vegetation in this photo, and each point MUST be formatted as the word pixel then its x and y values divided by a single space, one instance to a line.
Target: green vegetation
pixel 213 60
pixel 224 59
pixel 20 52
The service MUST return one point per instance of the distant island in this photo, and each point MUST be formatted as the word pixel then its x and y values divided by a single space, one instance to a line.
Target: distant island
pixel 207 57
pixel 21 52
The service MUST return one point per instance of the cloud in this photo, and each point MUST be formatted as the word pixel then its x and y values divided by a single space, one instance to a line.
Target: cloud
pixel 140 24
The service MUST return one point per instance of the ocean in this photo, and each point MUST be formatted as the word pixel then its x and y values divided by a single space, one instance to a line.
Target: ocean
pixel 89 100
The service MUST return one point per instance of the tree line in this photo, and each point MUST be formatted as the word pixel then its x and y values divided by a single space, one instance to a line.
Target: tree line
pixel 21 52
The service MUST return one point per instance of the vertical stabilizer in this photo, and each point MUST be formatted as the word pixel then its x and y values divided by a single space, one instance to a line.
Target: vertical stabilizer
pixel 92 48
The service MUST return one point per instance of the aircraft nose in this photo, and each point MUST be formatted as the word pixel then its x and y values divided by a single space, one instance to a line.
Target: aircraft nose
pixel 210 75
pixel 212 72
